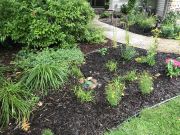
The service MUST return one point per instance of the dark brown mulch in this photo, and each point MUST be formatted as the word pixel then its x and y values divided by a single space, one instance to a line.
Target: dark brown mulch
pixel 65 115
pixel 86 48
pixel 134 28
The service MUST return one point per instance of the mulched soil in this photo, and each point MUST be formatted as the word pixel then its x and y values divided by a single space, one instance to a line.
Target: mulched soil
pixel 134 28
pixel 65 115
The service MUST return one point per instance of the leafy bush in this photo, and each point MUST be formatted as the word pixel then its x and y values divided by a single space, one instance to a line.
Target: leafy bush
pixel 48 69
pixel 111 65
pixel 146 83
pixel 124 9
pixel 131 5
pixel 46 22
pixel 167 30
pixel 47 132
pixel 172 70
pixel 15 102
pixel 83 95
pixel 114 92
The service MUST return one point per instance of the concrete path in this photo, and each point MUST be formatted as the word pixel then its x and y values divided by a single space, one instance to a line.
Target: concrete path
pixel 136 40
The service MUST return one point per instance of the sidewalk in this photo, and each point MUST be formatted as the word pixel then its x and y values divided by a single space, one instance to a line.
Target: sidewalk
pixel 136 40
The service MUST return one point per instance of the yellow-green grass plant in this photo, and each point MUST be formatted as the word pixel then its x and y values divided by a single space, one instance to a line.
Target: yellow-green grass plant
pixel 111 65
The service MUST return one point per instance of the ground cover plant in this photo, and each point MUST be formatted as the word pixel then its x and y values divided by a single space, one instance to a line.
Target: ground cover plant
pixel 48 69
pixel 153 121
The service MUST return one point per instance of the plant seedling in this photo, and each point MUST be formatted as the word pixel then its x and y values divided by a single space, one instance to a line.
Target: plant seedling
pixel 111 65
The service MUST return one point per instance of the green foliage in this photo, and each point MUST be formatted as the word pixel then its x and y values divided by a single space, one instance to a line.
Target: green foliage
pixel 128 52
pixel 103 51
pixel 167 30
pixel 143 20
pixel 105 14
pixel 111 65
pixel 131 5
pixel 83 95
pixel 146 83
pixel 47 132
pixel 114 92
pixel 46 22
pixel 48 69
pixel 124 9
pixel 15 102
pixel 130 76
pixel 172 70
pixel 75 71
pixel 150 58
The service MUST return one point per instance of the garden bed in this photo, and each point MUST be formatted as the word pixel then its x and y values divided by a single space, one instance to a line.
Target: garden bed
pixel 134 28
pixel 65 115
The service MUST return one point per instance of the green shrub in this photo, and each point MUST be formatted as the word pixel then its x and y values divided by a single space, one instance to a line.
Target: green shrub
pixel 46 22
pixel 131 5
pixel 48 69
pixel 146 22
pixel 146 83
pixel 111 65
pixel 124 9
pixel 167 30
pixel 103 51
pixel 47 132
pixel 83 95
pixel 15 103
pixel 114 92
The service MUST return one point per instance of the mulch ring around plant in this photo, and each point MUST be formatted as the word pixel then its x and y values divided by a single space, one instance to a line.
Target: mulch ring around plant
pixel 134 28
pixel 64 114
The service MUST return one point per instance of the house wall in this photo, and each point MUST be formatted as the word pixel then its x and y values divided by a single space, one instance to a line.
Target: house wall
pixel 173 5
pixel 116 4
pixel 161 6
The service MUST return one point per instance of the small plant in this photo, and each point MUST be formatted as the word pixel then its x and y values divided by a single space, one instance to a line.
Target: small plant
pixel 47 132
pixel 172 70
pixel 75 71
pixel 103 51
pixel 146 83
pixel 114 92
pixel 128 52
pixel 83 95
pixel 15 103
pixel 150 59
pixel 111 65
pixel 105 15
pixel 130 76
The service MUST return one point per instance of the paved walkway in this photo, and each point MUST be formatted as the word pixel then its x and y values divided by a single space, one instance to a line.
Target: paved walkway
pixel 140 41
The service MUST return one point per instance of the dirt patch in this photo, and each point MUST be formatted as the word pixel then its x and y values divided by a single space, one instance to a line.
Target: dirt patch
pixel 65 115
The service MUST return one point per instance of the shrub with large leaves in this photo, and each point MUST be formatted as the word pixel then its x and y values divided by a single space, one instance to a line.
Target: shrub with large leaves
pixel 48 69
pixel 45 22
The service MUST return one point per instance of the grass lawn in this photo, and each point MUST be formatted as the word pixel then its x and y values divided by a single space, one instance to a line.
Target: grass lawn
pixel 162 120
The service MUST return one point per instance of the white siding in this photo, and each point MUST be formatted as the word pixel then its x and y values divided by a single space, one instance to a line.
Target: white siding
pixel 116 4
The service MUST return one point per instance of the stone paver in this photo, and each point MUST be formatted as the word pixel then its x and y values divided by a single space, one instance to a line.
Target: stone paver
pixel 136 40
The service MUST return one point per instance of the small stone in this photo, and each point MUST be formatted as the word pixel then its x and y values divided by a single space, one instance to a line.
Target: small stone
pixel 89 78
pixel 157 75
pixel 40 104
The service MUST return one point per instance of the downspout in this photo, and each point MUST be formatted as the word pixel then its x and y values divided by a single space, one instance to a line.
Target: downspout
pixel 165 8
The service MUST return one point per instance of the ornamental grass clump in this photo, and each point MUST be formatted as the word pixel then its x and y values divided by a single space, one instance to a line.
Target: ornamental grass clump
pixel 146 83
pixel 114 92
pixel 16 102
pixel 48 69
pixel 130 76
